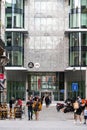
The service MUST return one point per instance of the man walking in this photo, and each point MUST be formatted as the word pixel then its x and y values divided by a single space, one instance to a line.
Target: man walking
pixel 30 109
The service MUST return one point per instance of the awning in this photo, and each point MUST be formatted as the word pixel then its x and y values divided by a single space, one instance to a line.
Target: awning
pixel 15 68
pixel 75 30
pixel 75 68
pixel 22 30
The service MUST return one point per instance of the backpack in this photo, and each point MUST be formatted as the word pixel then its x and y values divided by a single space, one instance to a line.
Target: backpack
pixel 76 105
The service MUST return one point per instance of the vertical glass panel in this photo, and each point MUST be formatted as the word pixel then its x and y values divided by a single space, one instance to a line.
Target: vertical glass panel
pixel 74 20
pixel 15 89
pixel 8 39
pixel 14 45
pixel 17 39
pixel 74 3
pixel 74 39
pixel 74 58
pixel 74 49
pixel 17 58
pixel 8 3
pixel 84 39
pixel 14 13
pixel 84 13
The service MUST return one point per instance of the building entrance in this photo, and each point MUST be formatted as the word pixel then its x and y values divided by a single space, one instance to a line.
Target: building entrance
pixel 47 93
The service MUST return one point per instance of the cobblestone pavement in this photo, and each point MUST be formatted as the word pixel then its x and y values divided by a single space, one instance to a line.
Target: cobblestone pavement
pixel 49 119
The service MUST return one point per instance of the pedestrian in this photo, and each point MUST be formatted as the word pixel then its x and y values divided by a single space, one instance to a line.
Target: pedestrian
pixel 85 114
pixel 11 102
pixel 77 111
pixel 30 108
pixel 37 106
pixel 19 103
pixel 47 101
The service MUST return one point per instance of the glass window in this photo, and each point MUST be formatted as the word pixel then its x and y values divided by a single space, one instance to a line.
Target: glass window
pixel 14 14
pixel 17 39
pixel 17 58
pixel 74 3
pixel 43 82
pixel 74 20
pixel 15 89
pixel 14 44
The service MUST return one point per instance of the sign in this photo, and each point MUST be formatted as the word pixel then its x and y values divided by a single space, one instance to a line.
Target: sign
pixel 30 64
pixel 37 65
pixel 74 87
pixel 62 90
pixel 1 82
pixel 1 76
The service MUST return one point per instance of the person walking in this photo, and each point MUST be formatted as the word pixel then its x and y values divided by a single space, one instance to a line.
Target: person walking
pixel 85 114
pixel 30 108
pixel 47 100
pixel 37 106
pixel 11 102
pixel 77 111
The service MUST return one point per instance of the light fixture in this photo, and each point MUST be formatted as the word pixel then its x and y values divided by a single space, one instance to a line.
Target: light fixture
pixel 4 59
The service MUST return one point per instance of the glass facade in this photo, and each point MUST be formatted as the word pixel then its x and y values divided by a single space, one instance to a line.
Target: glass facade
pixel 76 49
pixel 14 45
pixel 15 89
pixel 52 82
pixel 78 13
pixel 78 41
pixel 14 14
pixel 14 17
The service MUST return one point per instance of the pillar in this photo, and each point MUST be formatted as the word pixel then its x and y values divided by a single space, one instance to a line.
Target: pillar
pixel 65 88
pixel 86 84
pixel 26 93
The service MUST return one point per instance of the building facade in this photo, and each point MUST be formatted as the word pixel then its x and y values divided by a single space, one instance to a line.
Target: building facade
pixel 46 40
pixel 4 59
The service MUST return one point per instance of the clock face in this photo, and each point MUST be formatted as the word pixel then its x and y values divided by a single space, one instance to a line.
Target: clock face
pixel 30 64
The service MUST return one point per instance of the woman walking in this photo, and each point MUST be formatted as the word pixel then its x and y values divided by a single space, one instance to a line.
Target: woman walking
pixel 37 106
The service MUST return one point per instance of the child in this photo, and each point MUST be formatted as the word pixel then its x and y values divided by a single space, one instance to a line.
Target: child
pixel 85 114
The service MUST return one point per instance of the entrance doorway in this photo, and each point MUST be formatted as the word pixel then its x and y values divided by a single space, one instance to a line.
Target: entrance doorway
pixel 47 93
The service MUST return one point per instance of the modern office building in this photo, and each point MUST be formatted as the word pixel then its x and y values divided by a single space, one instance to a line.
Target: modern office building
pixel 46 40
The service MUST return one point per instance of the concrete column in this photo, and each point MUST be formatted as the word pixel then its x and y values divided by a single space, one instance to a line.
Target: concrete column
pixel 26 93
pixel 86 84
pixel 65 88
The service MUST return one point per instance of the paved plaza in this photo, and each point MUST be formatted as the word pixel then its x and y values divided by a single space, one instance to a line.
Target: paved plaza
pixel 49 119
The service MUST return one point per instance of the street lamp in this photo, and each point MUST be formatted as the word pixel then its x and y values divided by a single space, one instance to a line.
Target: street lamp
pixel 4 59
